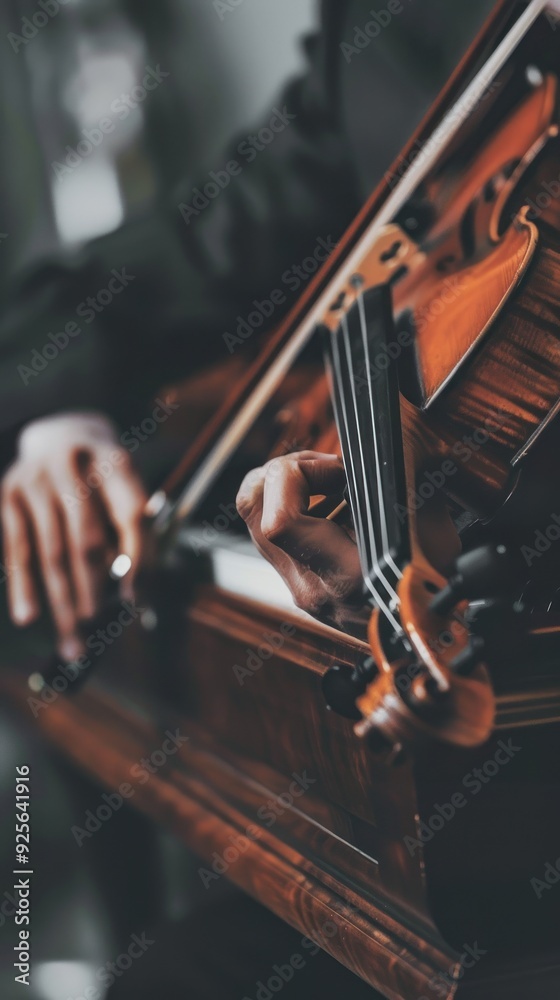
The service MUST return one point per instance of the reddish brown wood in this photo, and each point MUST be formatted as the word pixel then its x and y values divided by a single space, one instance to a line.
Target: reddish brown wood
pixel 472 60
pixel 337 853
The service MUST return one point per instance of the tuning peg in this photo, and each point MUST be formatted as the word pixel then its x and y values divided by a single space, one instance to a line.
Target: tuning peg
pixel 470 657
pixel 481 573
pixel 342 686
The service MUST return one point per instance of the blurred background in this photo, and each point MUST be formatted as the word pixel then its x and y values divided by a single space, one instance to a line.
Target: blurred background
pixel 224 67
pixel 85 63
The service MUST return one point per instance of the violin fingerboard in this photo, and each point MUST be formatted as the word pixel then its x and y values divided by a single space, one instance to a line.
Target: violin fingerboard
pixel 365 390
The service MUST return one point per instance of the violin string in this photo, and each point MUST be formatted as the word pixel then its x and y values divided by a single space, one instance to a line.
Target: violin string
pixel 361 453
pixel 230 438
pixel 341 414
pixel 374 563
pixel 380 495
pixel 368 555
pixel 341 411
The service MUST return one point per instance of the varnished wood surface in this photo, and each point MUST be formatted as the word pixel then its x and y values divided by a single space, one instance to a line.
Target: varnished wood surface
pixel 206 797
pixel 339 850
pixel 188 798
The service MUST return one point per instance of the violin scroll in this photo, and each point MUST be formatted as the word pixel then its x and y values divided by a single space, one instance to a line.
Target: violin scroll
pixel 418 697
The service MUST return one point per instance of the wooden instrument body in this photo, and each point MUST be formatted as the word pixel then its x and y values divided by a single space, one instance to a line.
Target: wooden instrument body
pixel 333 861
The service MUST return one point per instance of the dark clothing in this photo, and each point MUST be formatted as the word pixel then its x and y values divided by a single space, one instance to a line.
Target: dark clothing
pixel 189 271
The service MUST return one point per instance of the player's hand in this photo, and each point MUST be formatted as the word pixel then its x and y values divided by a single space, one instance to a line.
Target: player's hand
pixel 316 557
pixel 70 503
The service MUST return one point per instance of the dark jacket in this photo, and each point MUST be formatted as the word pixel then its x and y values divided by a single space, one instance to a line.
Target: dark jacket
pixel 192 268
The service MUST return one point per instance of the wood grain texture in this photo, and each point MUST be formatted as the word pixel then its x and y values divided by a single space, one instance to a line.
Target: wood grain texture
pixel 338 852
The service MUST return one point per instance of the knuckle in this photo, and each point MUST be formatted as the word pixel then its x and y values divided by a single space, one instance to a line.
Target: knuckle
pixel 15 478
pixel 7 488
pixel 248 493
pixel 277 467
pixel 276 528
pixel 244 504
pixel 309 594
pixel 308 599
pixel 37 480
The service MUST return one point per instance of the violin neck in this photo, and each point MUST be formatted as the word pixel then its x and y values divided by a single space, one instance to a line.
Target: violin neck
pixel 211 451
pixel 367 408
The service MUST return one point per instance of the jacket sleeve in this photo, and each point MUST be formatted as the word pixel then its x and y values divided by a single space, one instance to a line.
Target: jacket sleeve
pixel 150 302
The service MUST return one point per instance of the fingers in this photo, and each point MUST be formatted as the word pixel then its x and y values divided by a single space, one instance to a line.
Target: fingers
pixel 85 530
pixel 250 505
pixel 52 529
pixel 319 474
pixel 315 557
pixel 23 601
pixel 125 500
pixel 314 542
pixel 71 489
pixel 288 485
pixel 46 518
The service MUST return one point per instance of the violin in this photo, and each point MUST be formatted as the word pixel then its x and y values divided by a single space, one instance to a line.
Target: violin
pixel 461 289
pixel 441 312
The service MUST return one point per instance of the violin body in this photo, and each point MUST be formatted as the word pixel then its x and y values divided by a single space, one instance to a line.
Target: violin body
pixel 473 326
pixel 401 810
